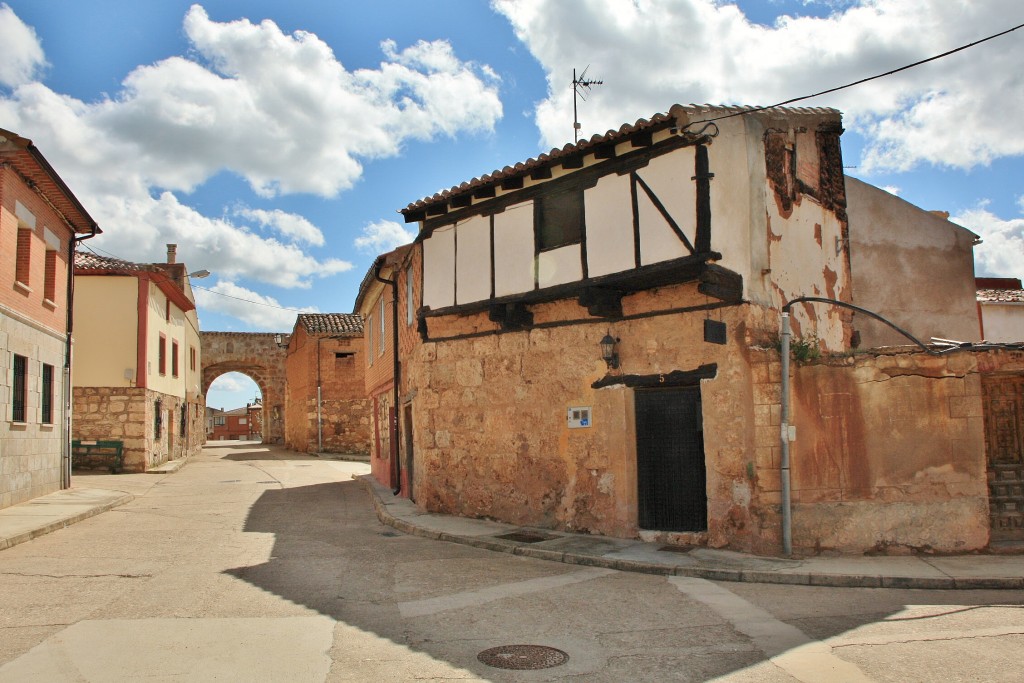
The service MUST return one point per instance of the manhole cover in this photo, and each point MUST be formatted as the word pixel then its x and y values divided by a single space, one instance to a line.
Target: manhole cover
pixel 523 657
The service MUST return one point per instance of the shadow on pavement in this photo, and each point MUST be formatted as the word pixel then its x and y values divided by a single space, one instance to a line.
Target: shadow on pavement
pixel 332 555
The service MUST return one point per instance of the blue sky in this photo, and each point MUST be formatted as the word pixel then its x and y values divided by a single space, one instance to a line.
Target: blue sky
pixel 274 142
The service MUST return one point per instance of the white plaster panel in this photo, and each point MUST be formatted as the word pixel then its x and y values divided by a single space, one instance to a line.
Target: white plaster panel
pixel 51 239
pixel 669 177
pixel 473 260
pixel 609 225
pixel 24 215
pixel 439 268
pixel 513 250
pixel 559 266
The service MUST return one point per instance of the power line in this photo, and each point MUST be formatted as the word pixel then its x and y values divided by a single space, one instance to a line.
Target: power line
pixel 94 249
pixel 863 80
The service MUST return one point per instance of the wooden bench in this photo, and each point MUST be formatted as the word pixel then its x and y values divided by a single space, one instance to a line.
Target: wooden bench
pixel 91 454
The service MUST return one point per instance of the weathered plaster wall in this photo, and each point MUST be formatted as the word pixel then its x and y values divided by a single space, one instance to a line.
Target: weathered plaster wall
pixel 910 266
pixel 490 417
pixel 1003 322
pixel 890 452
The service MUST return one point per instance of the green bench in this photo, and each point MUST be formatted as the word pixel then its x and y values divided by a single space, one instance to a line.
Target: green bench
pixel 91 454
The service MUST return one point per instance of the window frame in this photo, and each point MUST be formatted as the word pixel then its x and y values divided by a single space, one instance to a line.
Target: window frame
pixel 551 206
pixel 46 388
pixel 174 358
pixel 161 356
pixel 381 343
pixel 19 388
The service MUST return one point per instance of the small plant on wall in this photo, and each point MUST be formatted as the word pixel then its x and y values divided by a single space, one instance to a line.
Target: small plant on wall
pixel 801 348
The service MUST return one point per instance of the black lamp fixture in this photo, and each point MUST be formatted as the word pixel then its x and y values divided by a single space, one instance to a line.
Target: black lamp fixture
pixel 608 351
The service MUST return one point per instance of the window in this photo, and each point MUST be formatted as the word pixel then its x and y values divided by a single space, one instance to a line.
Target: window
pixel 383 325
pixel 20 388
pixel 369 340
pixel 408 296
pixel 161 355
pixel 158 418
pixel 242 421
pixel 167 310
pixel 559 219
pixel 23 259
pixel 50 276
pixel 218 421
pixel 174 358
pixel 192 358
pixel 184 420
pixel 47 390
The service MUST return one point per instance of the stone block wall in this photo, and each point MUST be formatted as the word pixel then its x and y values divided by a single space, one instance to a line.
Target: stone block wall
pixel 30 451
pixel 128 414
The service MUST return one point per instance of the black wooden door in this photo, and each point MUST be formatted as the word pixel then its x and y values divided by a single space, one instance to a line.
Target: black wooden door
pixel 671 473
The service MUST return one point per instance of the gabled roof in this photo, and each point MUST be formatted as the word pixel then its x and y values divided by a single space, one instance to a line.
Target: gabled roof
pixel 602 146
pixel 26 159
pixel 391 258
pixel 331 323
pixel 88 263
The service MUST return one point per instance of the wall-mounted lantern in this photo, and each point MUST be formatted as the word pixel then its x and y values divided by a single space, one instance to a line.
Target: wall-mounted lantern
pixel 608 353
pixel 277 340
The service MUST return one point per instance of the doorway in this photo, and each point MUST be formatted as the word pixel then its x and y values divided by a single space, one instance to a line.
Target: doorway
pixel 1003 401
pixel 409 461
pixel 671 472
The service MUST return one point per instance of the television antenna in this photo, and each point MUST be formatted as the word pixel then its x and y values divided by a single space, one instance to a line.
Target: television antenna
pixel 580 87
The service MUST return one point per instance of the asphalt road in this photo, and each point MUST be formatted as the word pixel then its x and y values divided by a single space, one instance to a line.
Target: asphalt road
pixel 256 564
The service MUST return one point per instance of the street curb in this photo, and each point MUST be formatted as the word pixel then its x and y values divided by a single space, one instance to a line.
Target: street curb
pixel 169 467
pixel 709 573
pixel 56 525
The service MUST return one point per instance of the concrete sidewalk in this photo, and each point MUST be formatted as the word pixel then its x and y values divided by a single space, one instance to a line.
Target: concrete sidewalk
pixel 935 572
pixel 23 522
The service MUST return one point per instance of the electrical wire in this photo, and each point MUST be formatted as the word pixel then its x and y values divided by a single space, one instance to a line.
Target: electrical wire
pixel 863 80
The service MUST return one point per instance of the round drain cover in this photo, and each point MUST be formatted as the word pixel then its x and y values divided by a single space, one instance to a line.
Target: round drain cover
pixel 523 657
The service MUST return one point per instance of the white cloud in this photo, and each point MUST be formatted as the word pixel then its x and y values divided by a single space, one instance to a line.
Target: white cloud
pixel 279 110
pixel 257 311
pixel 288 224
pixel 892 189
pixel 383 236
pixel 23 54
pixel 232 382
pixel 1001 254
pixel 654 53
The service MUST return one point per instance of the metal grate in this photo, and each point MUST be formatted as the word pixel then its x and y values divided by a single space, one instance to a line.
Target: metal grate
pixel 523 657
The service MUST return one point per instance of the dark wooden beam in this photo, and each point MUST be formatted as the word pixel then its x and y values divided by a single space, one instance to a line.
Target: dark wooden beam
pixel 572 162
pixel 515 183
pixel 605 152
pixel 541 173
pixel 484 192
pixel 676 378
pixel 461 201
pixel 642 139
pixel 415 216
pixel 603 303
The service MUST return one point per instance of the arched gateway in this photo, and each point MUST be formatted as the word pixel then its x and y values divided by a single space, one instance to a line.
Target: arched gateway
pixel 258 355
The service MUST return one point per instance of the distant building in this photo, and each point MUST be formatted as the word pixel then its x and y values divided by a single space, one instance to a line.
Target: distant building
pixel 40 222
pixel 326 410
pixel 1001 309
pixel 137 358
pixel 235 425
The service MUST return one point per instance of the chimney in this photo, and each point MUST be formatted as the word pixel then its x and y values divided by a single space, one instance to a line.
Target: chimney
pixel 172 253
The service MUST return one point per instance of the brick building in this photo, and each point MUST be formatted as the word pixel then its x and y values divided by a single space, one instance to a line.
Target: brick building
pixel 137 358
pixel 376 302
pixel 40 222
pixel 240 424
pixel 326 410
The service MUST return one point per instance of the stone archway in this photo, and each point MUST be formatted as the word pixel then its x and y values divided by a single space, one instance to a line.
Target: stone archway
pixel 257 355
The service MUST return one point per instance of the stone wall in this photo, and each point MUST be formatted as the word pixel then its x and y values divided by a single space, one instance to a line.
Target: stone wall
pixel 30 451
pixel 128 414
pixel 258 356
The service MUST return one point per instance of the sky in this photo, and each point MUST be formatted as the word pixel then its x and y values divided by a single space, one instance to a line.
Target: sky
pixel 274 142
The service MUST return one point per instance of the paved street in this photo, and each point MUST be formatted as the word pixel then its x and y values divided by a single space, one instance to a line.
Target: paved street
pixel 253 563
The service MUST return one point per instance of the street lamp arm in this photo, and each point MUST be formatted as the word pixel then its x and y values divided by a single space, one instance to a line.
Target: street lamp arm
pixel 823 300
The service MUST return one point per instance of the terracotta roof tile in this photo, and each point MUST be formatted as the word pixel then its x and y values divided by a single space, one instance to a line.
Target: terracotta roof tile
pixel 332 323
pixel 677 112
pixel 88 261
pixel 1003 296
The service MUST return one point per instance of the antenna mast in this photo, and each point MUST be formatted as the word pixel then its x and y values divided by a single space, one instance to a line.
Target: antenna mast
pixel 580 86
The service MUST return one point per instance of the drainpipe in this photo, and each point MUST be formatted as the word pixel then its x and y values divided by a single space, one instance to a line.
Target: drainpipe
pixel 396 375
pixel 319 410
pixel 65 469
pixel 787 519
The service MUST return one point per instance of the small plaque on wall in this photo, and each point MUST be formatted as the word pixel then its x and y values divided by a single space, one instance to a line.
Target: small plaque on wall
pixel 714 331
